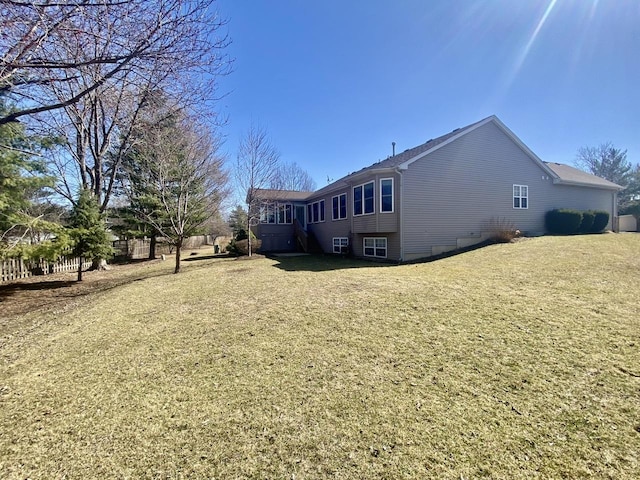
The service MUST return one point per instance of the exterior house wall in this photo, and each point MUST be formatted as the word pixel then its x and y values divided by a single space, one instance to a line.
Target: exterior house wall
pixel 356 228
pixel 327 230
pixel 447 198
pixel 276 237
pixel 451 194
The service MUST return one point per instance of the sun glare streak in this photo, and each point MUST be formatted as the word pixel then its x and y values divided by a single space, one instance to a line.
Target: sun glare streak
pixel 525 51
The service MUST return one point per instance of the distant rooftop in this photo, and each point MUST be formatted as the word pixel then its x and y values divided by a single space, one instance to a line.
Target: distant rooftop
pixel 573 175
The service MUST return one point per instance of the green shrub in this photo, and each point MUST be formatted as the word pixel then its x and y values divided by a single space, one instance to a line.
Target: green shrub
pixel 563 221
pixel 600 221
pixel 587 222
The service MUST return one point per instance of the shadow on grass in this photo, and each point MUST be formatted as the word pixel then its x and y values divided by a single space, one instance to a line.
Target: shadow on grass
pixel 10 289
pixel 213 256
pixel 326 262
pixel 323 263
pixel 31 295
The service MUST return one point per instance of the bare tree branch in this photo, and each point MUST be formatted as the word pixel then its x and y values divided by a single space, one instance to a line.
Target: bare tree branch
pixel 52 44
pixel 256 169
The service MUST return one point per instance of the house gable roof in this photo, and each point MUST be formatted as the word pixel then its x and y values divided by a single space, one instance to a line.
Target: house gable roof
pixel 406 157
pixel 403 160
pixel 561 174
pixel 572 176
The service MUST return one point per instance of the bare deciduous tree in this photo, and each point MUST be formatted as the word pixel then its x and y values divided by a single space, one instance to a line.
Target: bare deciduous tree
pixel 184 179
pixel 291 177
pixel 256 169
pixel 47 46
pixel 610 163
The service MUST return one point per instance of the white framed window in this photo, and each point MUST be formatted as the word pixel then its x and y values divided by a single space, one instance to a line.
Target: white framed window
pixel 375 247
pixel 339 204
pixel 267 212
pixel 315 212
pixel 273 212
pixel 386 195
pixel 363 199
pixel 340 245
pixel 520 196
pixel 285 213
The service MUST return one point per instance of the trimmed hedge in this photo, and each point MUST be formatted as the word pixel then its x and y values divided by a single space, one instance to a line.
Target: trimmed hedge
pixel 600 221
pixel 587 222
pixel 566 221
pixel 563 221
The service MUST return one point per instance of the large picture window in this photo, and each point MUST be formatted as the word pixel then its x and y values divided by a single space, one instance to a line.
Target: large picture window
pixel 339 207
pixel 363 199
pixel 375 247
pixel 386 195
pixel 520 196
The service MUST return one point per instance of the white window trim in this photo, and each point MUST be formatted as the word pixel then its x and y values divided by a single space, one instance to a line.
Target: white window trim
pixel 393 203
pixel 346 214
pixel 342 242
pixel 354 196
pixel 386 246
pixel 514 196
pixel 310 205
pixel 274 208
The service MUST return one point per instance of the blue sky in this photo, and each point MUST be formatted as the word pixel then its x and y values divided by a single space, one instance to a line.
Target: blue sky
pixel 335 82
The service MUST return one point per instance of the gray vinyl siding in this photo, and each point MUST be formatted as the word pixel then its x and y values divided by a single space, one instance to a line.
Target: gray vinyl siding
pixel 453 192
pixel 325 231
pixel 377 222
pixel 276 237
pixel 357 227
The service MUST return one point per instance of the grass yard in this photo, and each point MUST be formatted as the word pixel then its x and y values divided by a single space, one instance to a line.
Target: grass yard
pixel 511 361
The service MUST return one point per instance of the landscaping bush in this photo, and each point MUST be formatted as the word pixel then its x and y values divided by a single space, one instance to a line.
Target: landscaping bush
pixel 587 222
pixel 242 246
pixel 502 230
pixel 600 221
pixel 563 221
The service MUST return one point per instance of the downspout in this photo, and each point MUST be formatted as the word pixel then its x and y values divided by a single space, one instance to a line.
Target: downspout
pixel 615 226
pixel 401 219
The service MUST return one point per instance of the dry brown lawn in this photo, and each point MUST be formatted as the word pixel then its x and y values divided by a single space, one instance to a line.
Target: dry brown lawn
pixel 512 361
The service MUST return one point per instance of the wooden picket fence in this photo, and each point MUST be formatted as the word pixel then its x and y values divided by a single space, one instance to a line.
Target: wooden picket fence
pixel 12 269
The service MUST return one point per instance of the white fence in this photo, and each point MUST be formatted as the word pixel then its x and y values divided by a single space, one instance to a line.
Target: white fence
pixel 12 269
pixel 16 268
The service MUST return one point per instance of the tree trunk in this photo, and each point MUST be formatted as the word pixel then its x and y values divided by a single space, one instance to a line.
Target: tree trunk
pixel 79 269
pixel 249 233
pixel 152 247
pixel 178 250
pixel 99 264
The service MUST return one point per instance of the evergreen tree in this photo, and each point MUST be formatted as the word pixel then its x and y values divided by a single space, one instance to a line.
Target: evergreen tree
pixel 22 178
pixel 238 222
pixel 88 230
pixel 173 176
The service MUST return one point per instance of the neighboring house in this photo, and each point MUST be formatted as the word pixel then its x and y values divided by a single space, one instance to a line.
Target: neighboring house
pixel 436 197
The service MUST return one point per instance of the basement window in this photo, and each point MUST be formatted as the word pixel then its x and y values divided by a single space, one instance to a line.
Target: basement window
pixel 375 247
pixel 340 245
